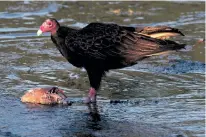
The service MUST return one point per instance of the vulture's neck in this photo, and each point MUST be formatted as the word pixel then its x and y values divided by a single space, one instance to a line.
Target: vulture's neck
pixel 62 32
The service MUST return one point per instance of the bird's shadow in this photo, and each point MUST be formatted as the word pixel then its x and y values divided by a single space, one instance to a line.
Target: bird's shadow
pixel 86 124
pixel 94 115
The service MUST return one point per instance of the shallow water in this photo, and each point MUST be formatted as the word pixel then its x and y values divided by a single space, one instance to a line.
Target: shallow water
pixel 160 96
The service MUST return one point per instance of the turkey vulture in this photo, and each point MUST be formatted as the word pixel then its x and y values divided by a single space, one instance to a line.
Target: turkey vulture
pixel 100 47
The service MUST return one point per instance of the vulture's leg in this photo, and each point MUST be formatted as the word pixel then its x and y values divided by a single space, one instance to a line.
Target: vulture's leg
pixel 95 77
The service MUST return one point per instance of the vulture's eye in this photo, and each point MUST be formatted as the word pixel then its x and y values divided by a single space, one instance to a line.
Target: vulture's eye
pixel 49 23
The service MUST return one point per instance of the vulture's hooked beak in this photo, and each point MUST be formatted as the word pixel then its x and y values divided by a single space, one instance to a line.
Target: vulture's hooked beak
pixel 39 32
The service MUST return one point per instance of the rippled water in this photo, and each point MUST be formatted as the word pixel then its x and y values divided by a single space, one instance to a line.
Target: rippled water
pixel 160 96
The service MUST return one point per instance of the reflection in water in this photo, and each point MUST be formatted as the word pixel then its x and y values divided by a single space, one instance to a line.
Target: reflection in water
pixel 93 111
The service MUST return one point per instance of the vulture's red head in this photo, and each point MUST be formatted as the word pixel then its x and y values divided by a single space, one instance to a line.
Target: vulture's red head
pixel 49 25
